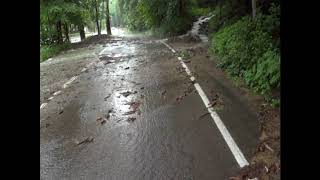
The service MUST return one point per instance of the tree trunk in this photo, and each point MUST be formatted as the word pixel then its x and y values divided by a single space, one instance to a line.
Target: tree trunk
pixel 108 18
pixel 254 8
pixel 66 32
pixel 82 33
pixel 181 10
pixel 59 32
pixel 220 6
pixel 97 17
pixel 49 28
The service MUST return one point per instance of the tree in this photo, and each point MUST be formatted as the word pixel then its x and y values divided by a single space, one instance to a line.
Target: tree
pixel 66 32
pixel 96 6
pixel 82 33
pixel 254 8
pixel 59 32
pixel 108 18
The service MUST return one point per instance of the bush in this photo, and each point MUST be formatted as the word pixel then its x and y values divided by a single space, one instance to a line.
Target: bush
pixel 248 49
pixel 48 51
pixel 225 16
pixel 197 12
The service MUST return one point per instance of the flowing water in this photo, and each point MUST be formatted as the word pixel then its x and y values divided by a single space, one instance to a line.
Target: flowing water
pixel 196 27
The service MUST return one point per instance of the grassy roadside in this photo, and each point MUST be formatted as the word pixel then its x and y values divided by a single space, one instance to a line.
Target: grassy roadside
pixel 48 51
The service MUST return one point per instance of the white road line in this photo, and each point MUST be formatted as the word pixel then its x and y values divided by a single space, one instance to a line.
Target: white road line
pixel 185 66
pixel 238 155
pixel 65 85
pixel 101 52
pixel 43 105
pixel 84 69
pixel 57 93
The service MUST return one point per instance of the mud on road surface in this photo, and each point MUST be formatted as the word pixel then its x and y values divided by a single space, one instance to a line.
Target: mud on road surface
pixel 126 110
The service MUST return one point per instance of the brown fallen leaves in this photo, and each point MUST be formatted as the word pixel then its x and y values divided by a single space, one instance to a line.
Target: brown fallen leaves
pixel 216 102
pixel 101 120
pixel 131 119
pixel 104 120
pixel 163 92
pixel 107 97
pixel 134 106
pixel 128 113
pixel 128 93
pixel 179 98
pixel 86 140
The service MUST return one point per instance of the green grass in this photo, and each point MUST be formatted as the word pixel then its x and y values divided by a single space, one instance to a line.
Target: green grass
pixel 48 51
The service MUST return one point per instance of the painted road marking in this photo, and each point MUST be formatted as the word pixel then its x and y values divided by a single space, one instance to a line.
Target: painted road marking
pixel 57 93
pixel 101 52
pixel 84 69
pixel 237 153
pixel 65 85
pixel 43 105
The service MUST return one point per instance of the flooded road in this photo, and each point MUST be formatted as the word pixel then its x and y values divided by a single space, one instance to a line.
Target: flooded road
pixel 126 110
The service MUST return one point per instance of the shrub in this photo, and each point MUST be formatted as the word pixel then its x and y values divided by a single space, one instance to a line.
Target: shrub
pixel 249 49
pixel 48 51
pixel 197 11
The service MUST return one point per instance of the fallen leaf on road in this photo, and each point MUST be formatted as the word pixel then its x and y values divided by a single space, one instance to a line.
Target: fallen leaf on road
pixel 129 112
pixel 87 140
pixel 99 119
pixel 61 112
pixel 107 62
pixel 131 119
pixel 103 121
pixel 107 97
pixel 127 93
pixel 203 115
pixel 108 116
pixel 164 92
pixel 179 98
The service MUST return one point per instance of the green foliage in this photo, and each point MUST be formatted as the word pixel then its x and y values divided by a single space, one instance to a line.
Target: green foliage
pixel 170 17
pixel 197 11
pixel 68 12
pixel 185 54
pixel 226 14
pixel 249 49
pixel 48 51
pixel 275 102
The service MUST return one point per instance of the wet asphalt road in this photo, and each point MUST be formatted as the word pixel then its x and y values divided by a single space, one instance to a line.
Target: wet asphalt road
pixel 167 140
